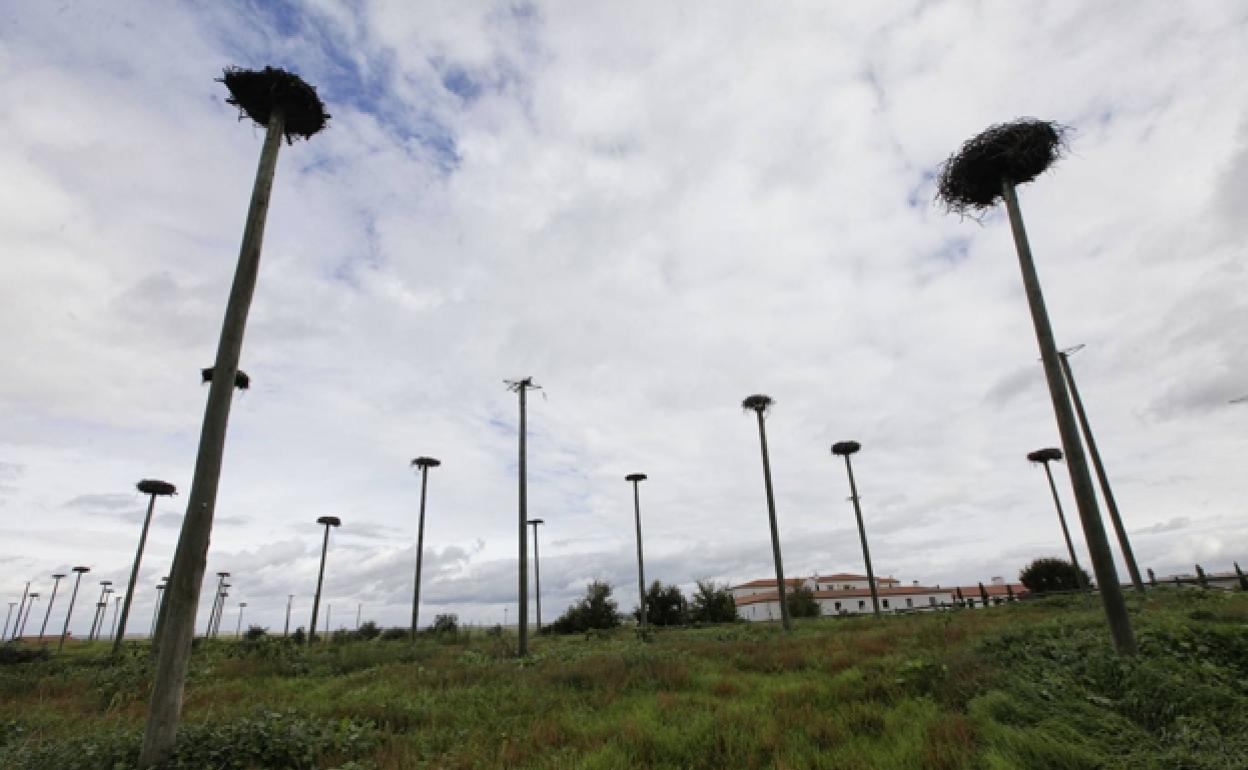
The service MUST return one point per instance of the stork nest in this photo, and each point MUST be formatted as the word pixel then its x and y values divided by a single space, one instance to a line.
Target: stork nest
pixel 1051 454
pixel 1016 152
pixel 426 462
pixel 258 93
pixel 635 477
pixel 241 380
pixel 156 487
pixel 758 403
pixel 332 521
pixel 845 448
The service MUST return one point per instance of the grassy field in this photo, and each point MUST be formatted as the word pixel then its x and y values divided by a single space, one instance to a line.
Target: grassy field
pixel 1022 686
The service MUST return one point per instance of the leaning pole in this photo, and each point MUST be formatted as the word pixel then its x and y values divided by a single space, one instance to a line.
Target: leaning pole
pixel 984 171
pixel 287 107
pixel 153 488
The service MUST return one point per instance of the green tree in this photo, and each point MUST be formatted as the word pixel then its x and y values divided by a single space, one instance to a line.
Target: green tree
pixel 802 603
pixel 1051 574
pixel 368 630
pixel 712 603
pixel 665 606
pixel 447 624
pixel 594 610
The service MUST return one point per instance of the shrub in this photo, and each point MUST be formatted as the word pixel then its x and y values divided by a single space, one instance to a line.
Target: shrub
pixel 665 606
pixel 712 604
pixel 395 634
pixel 255 633
pixel 446 624
pixel 368 630
pixel 1052 574
pixel 595 610
pixel 802 603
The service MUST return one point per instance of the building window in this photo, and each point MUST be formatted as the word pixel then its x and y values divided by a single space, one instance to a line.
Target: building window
pixel 861 604
pixel 886 604
pixel 838 605
pixel 931 600
pixel 909 602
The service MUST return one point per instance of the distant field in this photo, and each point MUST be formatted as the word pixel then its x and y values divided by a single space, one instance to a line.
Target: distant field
pixel 1030 686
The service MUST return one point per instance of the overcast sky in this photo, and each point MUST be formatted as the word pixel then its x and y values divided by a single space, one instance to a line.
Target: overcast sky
pixel 654 209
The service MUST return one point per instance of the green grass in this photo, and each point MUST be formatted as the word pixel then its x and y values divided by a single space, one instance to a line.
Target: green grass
pixel 1022 687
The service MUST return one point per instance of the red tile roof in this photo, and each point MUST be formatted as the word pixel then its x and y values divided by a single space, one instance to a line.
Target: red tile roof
pixel 852 593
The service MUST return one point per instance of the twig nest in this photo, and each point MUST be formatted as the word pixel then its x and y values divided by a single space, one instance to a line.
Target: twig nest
pixel 1016 152
pixel 846 448
pixel 635 477
pixel 257 93
pixel 241 380
pixel 426 462
pixel 1050 454
pixel 81 570
pixel 156 487
pixel 332 521
pixel 758 402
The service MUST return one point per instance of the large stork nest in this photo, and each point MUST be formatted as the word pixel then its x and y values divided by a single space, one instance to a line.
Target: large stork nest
pixel 257 93
pixel 758 402
pixel 845 448
pixel 156 487
pixel 635 477
pixel 1015 152
pixel 1051 454
pixel 426 462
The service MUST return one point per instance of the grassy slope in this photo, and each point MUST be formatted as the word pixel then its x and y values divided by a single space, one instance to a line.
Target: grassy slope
pixel 1023 686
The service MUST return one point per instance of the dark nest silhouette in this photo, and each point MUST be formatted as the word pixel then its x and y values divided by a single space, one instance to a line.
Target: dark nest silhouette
pixel 843 448
pixel 426 462
pixel 241 380
pixel 256 93
pixel 635 477
pixel 1015 152
pixel 156 487
pixel 758 403
pixel 1052 454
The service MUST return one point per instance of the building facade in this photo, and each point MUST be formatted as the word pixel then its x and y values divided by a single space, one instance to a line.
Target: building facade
pixel 849 594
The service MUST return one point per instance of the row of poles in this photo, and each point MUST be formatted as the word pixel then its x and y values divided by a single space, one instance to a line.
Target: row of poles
pixel 984 172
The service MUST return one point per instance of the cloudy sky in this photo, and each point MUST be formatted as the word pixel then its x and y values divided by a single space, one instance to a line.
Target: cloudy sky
pixel 654 209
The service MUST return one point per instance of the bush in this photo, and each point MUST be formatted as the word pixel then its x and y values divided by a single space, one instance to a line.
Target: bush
pixel 254 633
pixel 446 625
pixel 802 603
pixel 395 634
pixel 665 606
pixel 12 654
pixel 1051 574
pixel 368 630
pixel 712 604
pixel 595 610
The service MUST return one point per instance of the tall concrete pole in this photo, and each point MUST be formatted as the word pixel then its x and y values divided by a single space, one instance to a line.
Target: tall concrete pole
pixel 70 612
pixel 845 449
pixel 1076 463
pixel 1115 518
pixel 21 608
pixel 537 574
pixel 759 404
pixel 1044 457
pixel 522 646
pixel 286 630
pixel 328 521
pixel 153 488
pixel 51 600
pixel 424 463
pixel 636 479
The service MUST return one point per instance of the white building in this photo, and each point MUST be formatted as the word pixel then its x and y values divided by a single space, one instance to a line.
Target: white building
pixel 849 594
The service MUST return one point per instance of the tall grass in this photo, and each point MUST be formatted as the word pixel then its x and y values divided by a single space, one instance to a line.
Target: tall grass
pixel 1019 687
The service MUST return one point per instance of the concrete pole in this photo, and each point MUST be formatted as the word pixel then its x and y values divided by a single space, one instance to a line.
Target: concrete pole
pixel 116 609
pixel 44 628
pixel 636 479
pixel 1070 545
pixel 289 598
pixel 21 607
pixel 328 521
pixel 238 632
pixel 1115 518
pixel 21 632
pixel 862 536
pixel 160 593
pixel 537 575
pixel 420 540
pixel 522 647
pixel 186 580
pixel 8 616
pixel 134 576
pixel 785 621
pixel 1085 496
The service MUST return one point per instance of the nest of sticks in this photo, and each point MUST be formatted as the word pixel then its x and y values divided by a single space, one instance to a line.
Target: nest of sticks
pixel 1016 152
pixel 156 487
pixel 844 448
pixel 426 462
pixel 241 380
pixel 332 521
pixel 635 477
pixel 258 93
pixel 758 402
pixel 1050 454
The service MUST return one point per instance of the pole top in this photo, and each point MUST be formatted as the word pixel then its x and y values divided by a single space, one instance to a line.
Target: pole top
pixel 525 383
pixel 330 521
pixel 846 448
pixel 81 570
pixel 156 487
pixel 59 575
pixel 535 521
pixel 426 462
pixel 258 93
pixel 635 477
pixel 1047 455
pixel 1012 153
